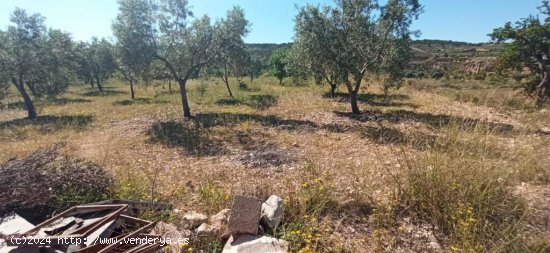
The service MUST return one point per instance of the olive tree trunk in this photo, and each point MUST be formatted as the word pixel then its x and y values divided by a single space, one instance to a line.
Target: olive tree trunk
pixel 352 91
pixel 132 93
pixel 225 78
pixel 184 101
pixel 20 85
pixel 543 89
pixel 332 90
pixel 99 85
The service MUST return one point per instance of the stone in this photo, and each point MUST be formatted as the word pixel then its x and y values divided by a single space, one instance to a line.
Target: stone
pixel 220 220
pixel 253 244
pixel 191 220
pixel 245 215
pixel 434 244
pixel 170 232
pixel 272 211
pixel 207 229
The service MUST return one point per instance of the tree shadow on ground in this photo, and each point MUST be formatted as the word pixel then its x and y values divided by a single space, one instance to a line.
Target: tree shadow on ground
pixel 393 100
pixel 186 134
pixel 95 93
pixel 16 105
pixel 195 137
pixel 65 101
pixel 253 149
pixel 434 120
pixel 260 102
pixel 141 101
pixel 48 123
pixel 52 101
pixel 228 102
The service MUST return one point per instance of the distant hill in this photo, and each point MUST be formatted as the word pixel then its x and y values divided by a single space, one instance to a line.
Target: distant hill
pixel 430 57
pixel 263 51
pixel 424 49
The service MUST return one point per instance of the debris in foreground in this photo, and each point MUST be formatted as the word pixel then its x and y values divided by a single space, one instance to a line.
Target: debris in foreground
pixel 84 229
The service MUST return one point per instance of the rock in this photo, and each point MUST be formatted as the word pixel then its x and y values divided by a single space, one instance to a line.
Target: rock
pixel 272 211
pixel 170 233
pixel 434 244
pixel 254 244
pixel 192 220
pixel 245 215
pixel 219 221
pixel 206 229
pixel 479 65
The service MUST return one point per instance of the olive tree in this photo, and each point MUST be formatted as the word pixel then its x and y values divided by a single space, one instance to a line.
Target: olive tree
pixel 102 61
pixel 130 66
pixel 529 45
pixel 278 64
pixel 84 70
pixel 254 66
pixel 166 31
pixel 356 38
pixel 232 57
pixel 4 75
pixel 34 58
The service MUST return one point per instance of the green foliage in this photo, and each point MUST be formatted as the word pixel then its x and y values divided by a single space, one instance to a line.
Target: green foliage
pixel 260 53
pixel 529 46
pixel 243 86
pixel 232 57
pixel 344 44
pixel 166 31
pixel 278 64
pixel 34 58
pixel 102 59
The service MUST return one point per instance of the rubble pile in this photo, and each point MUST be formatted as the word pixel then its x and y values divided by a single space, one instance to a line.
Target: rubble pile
pixel 110 226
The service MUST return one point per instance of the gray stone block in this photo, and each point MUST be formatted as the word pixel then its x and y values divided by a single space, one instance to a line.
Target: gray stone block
pixel 245 215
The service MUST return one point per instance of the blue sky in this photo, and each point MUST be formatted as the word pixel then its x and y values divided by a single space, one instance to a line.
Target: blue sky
pixel 272 21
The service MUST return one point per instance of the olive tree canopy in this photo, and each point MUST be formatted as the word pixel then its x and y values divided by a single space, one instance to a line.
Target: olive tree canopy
pixel 167 31
pixel 529 45
pixel 34 58
pixel 356 38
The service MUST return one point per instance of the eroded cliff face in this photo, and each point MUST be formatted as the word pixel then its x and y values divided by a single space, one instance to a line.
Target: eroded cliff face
pixel 480 64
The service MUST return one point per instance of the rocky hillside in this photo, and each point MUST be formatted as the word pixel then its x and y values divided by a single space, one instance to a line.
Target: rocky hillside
pixel 436 57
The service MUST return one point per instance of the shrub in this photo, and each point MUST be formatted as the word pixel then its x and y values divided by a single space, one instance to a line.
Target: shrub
pixel 243 86
pixel 480 76
pixel 47 182
pixel 437 74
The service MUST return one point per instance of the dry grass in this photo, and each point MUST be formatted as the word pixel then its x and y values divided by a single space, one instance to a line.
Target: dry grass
pixel 338 173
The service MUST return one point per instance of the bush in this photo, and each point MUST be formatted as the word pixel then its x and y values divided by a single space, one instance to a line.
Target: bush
pixel 243 86
pixel 531 83
pixel 437 74
pixel 47 182
pixel 480 76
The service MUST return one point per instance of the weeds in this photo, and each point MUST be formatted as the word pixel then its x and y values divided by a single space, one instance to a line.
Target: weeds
pixel 303 225
pixel 213 197
pixel 464 192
